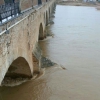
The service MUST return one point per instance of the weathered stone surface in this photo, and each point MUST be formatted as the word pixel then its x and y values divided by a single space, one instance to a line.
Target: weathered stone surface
pixel 18 38
pixel 37 51
pixel 25 4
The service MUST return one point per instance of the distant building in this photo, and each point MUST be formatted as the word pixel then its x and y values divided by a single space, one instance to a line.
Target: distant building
pixel 89 0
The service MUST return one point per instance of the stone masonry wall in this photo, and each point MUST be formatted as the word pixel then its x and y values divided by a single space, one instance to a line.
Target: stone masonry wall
pixel 35 2
pixel 25 4
pixel 19 36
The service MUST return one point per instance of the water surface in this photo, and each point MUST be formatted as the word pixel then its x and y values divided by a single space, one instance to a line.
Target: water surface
pixel 76 46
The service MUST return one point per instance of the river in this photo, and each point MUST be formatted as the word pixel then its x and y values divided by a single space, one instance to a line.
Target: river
pixel 75 46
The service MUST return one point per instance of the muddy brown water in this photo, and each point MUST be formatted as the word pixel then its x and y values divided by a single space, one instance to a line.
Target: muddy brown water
pixel 76 46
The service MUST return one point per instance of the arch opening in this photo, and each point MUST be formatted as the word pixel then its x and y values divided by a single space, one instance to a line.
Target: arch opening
pixel 18 69
pixel 49 13
pixel 41 35
pixel 46 18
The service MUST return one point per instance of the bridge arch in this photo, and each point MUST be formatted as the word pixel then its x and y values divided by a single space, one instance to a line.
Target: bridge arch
pixel 49 13
pixel 41 33
pixel 19 68
pixel 46 18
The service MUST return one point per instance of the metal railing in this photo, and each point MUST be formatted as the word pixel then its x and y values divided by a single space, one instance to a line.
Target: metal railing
pixel 8 10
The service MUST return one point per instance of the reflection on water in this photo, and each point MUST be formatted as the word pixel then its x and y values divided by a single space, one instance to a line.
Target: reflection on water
pixel 76 45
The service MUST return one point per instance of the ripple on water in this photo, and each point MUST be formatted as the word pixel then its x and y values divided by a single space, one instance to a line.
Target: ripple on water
pixel 75 47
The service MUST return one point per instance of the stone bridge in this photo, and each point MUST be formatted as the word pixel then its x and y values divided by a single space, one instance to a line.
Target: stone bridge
pixel 19 50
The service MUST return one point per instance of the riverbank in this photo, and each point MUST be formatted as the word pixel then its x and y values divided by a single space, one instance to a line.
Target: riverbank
pixel 79 3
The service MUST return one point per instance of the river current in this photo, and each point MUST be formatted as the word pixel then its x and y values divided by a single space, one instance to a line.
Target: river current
pixel 75 45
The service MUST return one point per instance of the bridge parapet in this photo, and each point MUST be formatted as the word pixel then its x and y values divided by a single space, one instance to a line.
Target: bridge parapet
pixel 12 8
